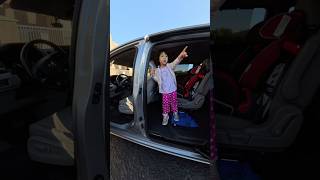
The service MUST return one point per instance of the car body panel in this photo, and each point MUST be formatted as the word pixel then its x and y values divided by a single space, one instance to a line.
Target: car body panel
pixel 90 77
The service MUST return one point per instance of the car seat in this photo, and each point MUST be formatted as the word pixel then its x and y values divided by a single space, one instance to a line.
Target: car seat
pixel 51 139
pixel 197 87
pixel 279 35
pixel 187 86
pixel 126 104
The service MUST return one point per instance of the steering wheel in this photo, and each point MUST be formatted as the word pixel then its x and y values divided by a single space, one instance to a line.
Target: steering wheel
pixel 47 65
pixel 122 80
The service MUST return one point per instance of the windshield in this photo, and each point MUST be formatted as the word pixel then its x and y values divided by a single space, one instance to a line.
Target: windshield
pixel 18 26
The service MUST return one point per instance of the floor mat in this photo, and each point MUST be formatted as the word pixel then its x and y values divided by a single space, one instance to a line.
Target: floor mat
pixel 185 120
pixel 234 170
pixel 194 136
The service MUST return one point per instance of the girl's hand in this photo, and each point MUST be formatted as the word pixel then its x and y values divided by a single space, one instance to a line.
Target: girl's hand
pixel 183 53
pixel 152 72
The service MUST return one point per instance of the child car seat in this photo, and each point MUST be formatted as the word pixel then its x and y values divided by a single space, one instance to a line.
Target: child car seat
pixel 186 88
pixel 197 87
pixel 282 33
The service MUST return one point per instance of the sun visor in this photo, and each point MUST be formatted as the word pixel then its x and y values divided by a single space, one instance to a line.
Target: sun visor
pixel 62 9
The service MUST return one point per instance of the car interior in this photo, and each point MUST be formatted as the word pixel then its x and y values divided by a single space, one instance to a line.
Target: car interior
pixel 36 91
pixel 121 86
pixel 265 71
pixel 193 83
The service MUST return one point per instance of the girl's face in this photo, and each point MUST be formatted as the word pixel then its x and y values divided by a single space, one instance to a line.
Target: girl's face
pixel 163 58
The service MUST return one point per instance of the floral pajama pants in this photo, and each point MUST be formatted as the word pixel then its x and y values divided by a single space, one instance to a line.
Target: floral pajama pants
pixel 168 100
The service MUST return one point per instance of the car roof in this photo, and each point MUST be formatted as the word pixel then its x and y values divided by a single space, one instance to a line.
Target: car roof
pixel 171 32
pixel 249 4
pixel 180 31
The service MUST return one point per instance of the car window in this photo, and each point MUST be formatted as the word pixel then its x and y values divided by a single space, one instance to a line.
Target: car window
pixel 19 26
pixel 183 68
pixel 231 36
pixel 122 63
pixel 247 17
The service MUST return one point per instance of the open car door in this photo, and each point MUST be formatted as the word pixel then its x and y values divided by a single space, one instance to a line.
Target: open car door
pixel 91 47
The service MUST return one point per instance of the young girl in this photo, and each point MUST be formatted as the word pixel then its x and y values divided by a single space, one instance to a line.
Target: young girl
pixel 165 77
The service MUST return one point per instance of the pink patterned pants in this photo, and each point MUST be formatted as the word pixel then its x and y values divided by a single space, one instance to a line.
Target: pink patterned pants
pixel 168 100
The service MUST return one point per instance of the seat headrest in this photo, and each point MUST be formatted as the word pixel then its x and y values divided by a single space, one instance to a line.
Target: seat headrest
pixel 280 24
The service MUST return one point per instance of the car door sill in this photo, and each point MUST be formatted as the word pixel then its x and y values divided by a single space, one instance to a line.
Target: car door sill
pixel 133 136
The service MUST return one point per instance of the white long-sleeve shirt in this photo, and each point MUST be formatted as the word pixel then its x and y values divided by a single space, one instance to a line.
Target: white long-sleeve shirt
pixel 169 68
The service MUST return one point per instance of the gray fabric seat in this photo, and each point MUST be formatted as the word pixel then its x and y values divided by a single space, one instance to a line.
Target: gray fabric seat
pixel 51 139
pixel 294 94
pixel 126 104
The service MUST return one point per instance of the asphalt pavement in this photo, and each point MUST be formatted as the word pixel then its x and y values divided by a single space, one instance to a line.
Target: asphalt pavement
pixel 130 161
